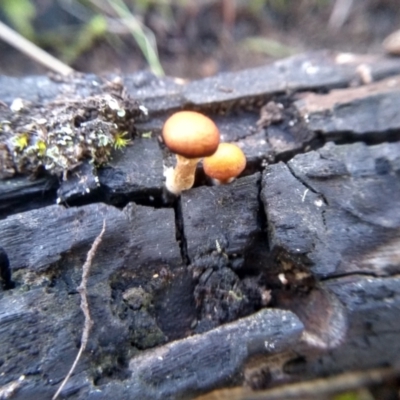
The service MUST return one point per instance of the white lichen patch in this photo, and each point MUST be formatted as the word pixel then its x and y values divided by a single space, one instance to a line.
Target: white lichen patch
pixel 59 136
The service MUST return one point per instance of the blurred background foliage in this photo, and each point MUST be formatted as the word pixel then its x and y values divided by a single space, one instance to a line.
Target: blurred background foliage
pixel 190 38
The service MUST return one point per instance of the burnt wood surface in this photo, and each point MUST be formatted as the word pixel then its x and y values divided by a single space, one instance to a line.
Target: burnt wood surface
pixel 288 273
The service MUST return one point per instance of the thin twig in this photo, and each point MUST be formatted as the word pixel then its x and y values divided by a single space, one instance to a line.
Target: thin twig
pixel 340 13
pixel 7 391
pixel 315 389
pixel 82 289
pixel 31 50
pixel 143 36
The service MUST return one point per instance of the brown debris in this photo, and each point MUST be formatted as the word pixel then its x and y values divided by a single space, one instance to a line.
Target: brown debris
pixel 270 113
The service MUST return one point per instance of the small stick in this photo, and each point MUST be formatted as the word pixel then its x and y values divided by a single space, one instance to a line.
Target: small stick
pixel 25 46
pixel 84 306
pixel 7 391
pixel 316 389
pixel 340 13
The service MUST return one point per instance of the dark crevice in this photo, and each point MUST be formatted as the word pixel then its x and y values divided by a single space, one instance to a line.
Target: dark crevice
pixel 20 195
pixel 369 274
pixel 286 156
pixel 5 271
pixel 147 197
pixel 180 231
pixel 153 197
pixel 262 216
pixel 317 142
pixel 252 167
pixel 370 139
pixel 250 103
pixel 323 216
pixel 258 252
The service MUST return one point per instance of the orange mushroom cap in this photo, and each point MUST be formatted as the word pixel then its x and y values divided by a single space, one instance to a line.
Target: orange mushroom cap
pixel 191 134
pixel 226 163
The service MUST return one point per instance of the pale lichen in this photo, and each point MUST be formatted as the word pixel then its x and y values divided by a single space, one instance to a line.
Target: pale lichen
pixel 60 135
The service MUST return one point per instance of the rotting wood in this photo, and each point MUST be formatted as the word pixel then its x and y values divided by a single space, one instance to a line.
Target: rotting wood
pixel 368 113
pixel 353 193
pixel 316 70
pixel 265 144
pixel 303 72
pixel 334 212
pixel 227 214
pixel 46 248
pixel 329 229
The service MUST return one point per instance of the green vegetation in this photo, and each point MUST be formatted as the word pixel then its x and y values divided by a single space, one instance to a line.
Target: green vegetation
pixel 20 14
pixel 143 36
pixel 110 20
pixel 70 42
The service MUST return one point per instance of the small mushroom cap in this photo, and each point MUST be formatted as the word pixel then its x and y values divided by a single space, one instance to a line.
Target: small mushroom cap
pixel 226 163
pixel 392 43
pixel 191 134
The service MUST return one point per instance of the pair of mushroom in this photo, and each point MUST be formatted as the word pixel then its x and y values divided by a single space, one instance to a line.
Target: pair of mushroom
pixel 192 136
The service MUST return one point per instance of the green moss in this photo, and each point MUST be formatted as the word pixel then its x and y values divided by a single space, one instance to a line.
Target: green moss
pixel 120 141
pixel 21 141
pixel 41 147
pixel 61 135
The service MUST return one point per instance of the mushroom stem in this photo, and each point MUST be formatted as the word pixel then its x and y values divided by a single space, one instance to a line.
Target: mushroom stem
pixel 182 177
pixel 218 182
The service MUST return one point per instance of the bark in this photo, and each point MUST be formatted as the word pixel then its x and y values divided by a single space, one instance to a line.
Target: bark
pixel 286 274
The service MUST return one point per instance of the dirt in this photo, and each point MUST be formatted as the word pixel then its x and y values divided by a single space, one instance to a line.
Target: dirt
pixel 208 37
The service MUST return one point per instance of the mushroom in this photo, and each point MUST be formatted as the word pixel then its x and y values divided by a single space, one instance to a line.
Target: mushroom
pixel 191 136
pixel 225 164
